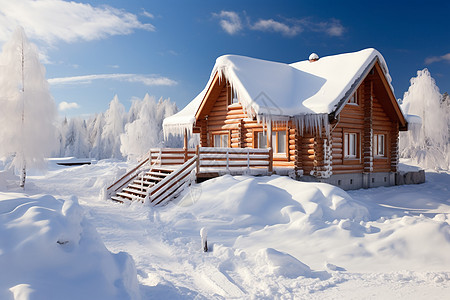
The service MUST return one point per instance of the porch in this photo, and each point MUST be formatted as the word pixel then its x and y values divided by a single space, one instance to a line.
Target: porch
pixel 163 172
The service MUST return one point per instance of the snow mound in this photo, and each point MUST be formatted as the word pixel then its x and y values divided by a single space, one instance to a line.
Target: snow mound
pixel 52 252
pixel 282 264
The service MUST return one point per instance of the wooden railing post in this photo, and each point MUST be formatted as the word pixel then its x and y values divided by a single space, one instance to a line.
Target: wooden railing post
pixel 248 159
pixel 185 145
pixel 228 162
pixel 197 151
pixel 270 160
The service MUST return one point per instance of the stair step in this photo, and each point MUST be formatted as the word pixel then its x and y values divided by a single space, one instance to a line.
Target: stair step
pixel 163 170
pixel 156 174
pixel 129 196
pixel 139 186
pixel 125 195
pixel 134 192
pixel 118 199
pixel 152 178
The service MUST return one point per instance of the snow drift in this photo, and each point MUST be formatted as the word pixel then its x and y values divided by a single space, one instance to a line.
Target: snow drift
pixel 48 250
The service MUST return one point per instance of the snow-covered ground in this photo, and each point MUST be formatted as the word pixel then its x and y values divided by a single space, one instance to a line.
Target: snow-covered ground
pixel 268 237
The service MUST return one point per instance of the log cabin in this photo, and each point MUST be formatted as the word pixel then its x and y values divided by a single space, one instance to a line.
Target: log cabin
pixel 332 119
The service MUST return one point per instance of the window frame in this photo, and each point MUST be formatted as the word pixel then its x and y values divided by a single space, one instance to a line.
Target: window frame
pixel 377 137
pixel 275 142
pixel 221 136
pixel 350 151
pixel 351 159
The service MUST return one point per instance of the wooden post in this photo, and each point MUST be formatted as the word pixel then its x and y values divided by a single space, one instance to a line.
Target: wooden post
pixel 270 160
pixel 185 147
pixel 197 151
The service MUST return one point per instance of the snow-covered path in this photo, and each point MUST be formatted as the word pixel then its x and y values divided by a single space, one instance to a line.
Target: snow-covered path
pixel 271 237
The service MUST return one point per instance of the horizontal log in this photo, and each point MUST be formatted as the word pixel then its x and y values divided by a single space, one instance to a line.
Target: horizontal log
pixel 337 145
pixel 252 125
pixel 235 116
pixel 283 164
pixel 350 125
pixel 351 120
pixel 336 161
pixel 347 167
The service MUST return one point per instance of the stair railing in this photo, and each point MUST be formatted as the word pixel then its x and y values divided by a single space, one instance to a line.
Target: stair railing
pixel 139 170
pixel 173 183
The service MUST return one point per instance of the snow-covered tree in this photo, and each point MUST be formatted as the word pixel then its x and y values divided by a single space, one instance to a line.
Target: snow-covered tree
pixel 95 128
pixel 428 143
pixel 145 131
pixel 112 129
pixel 28 112
pixel 77 143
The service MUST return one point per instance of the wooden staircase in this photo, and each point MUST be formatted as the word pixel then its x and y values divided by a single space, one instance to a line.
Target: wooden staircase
pixel 158 183
pixel 139 187
pixel 164 173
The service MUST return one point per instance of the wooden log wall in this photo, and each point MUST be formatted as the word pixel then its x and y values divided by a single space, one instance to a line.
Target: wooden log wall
pixel 394 147
pixel 232 120
pixel 367 92
pixel 351 120
pixel 382 124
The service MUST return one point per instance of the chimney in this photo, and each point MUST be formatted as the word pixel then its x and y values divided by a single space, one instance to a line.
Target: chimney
pixel 313 57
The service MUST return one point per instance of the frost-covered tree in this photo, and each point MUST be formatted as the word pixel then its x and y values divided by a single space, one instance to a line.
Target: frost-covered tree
pixel 112 129
pixel 145 131
pixel 428 143
pixel 28 112
pixel 77 143
pixel 95 129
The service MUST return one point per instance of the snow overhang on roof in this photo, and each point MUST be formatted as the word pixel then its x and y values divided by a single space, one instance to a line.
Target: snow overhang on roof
pixel 271 91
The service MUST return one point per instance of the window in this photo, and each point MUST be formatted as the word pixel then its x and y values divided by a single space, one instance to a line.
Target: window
pixel 379 145
pixel 220 140
pixel 231 95
pixel 279 143
pixel 262 139
pixel 354 98
pixel 350 145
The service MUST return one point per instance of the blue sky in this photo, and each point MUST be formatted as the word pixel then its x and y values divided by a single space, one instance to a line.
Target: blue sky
pixel 93 50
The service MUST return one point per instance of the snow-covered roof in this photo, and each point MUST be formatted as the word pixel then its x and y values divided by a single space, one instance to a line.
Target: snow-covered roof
pixel 277 91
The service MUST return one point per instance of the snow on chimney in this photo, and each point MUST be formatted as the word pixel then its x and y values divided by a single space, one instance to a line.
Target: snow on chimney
pixel 313 57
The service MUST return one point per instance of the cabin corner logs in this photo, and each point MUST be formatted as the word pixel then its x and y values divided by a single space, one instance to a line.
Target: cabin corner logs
pixel 222 122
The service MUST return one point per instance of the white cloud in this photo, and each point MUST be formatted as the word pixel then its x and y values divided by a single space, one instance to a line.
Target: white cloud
pixel 433 59
pixel 149 80
pixel 332 27
pixel 275 26
pixel 54 20
pixel 67 105
pixel 229 21
pixel 147 14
